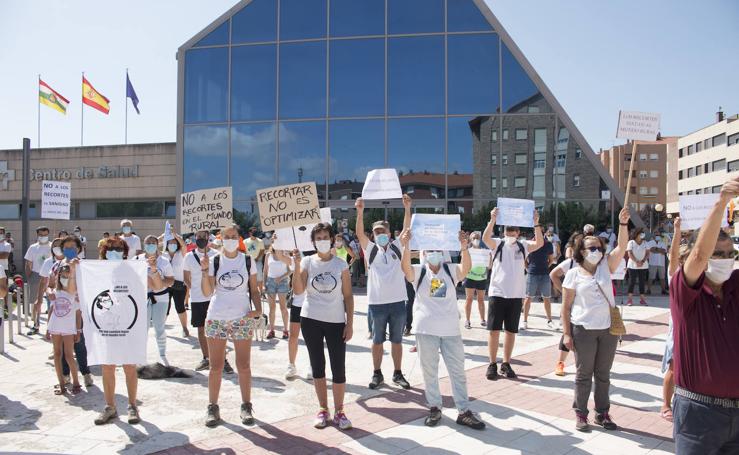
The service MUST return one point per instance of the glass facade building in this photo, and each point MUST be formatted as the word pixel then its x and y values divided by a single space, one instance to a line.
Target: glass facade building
pixel 283 91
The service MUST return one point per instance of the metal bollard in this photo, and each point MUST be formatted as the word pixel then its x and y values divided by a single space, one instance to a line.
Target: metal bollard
pixel 9 306
pixel 26 308
pixel 2 327
pixel 18 317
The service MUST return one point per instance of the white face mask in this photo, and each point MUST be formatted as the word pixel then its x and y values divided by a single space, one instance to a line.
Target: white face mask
pixel 434 258
pixel 323 246
pixel 510 240
pixel 642 236
pixel 476 243
pixel 719 270
pixel 57 251
pixel 43 239
pixel 230 245
pixel 64 281
pixel 594 257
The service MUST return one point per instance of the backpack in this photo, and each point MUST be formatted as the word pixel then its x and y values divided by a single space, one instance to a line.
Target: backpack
pixel 217 263
pixel 376 249
pixel 445 266
pixel 499 251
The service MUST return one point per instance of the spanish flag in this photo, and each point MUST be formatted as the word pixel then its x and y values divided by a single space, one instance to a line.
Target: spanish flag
pixel 50 97
pixel 93 98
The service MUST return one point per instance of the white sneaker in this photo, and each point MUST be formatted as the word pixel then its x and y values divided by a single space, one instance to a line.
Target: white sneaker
pixel 550 325
pixel 559 326
pixel 291 371
pixel 164 361
pixel 525 325
pixel 309 375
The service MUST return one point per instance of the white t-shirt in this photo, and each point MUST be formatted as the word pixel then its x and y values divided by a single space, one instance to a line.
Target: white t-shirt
pixel 508 277
pixel 590 308
pixel 640 253
pixel 276 268
pixel 324 300
pixel 480 258
pixel 386 282
pixel 5 247
pixel 134 244
pixel 163 267
pixel 657 259
pixel 63 318
pixel 565 266
pixel 231 298
pixel 298 299
pixel 37 254
pixel 83 239
pixel 435 310
pixel 196 274
pixel 177 262
pixel 49 267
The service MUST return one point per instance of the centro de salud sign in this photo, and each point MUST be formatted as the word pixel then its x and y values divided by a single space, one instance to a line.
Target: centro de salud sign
pixel 101 172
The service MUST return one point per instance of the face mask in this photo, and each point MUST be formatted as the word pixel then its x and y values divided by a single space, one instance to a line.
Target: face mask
pixel 172 247
pixel 609 230
pixel 323 246
pixel 510 240
pixel 642 236
pixel 476 243
pixel 126 229
pixel 719 270
pixel 57 251
pixel 70 253
pixel 550 229
pixel 201 243
pixel 594 257
pixel 230 245
pixel 550 237
pixel 434 258
pixel 43 239
pixel 64 281
pixel 77 233
pixel 383 239
pixel 114 255
pixel 150 249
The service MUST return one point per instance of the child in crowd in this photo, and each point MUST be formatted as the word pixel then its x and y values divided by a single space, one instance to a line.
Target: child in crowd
pixel 65 323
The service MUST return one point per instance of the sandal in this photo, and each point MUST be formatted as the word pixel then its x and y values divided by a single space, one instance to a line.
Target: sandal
pixel 666 414
pixel 76 389
pixel 59 390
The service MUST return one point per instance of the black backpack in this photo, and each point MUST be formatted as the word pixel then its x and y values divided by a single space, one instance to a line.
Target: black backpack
pixel 499 251
pixel 376 249
pixel 445 266
pixel 217 263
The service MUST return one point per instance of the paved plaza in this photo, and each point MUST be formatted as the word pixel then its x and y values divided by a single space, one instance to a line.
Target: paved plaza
pixel 530 415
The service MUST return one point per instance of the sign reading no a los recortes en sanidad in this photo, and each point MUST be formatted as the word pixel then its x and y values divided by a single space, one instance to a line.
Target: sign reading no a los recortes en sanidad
pixel 206 209
pixel 638 126
pixel 288 205
pixel 55 200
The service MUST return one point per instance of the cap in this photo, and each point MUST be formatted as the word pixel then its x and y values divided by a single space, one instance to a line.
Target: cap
pixel 380 224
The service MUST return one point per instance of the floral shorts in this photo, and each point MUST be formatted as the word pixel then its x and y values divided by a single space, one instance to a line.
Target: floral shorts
pixel 235 329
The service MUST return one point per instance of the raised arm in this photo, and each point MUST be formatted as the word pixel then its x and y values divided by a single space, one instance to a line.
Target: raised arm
pixel 405 263
pixel 300 277
pixel 407 203
pixel 359 228
pixel 538 235
pixel 617 253
pixel 466 264
pixel 487 236
pixel 675 249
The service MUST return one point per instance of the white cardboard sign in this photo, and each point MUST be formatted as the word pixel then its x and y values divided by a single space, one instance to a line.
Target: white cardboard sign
pixel 382 184
pixel 695 208
pixel 298 237
pixel 435 232
pixel 288 205
pixel 206 209
pixel 639 126
pixel 55 199
pixel 515 212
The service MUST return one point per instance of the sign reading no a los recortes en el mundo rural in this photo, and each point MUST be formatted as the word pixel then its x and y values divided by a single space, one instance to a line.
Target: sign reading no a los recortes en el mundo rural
pixel 288 205
pixel 55 200
pixel 638 126
pixel 206 209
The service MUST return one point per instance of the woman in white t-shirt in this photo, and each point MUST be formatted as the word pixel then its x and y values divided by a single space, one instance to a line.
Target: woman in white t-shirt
pixel 436 314
pixel 65 324
pixel 587 300
pixel 175 254
pixel 557 276
pixel 327 314
pixel 230 281
pixel 277 284
pixel 638 265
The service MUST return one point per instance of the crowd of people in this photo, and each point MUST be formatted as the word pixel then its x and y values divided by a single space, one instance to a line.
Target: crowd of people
pixel 221 278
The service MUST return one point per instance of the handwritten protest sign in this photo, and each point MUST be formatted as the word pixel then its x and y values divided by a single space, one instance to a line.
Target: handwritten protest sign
pixel 435 232
pixel 55 199
pixel 639 126
pixel 288 205
pixel 206 209
pixel 515 212
pixel 298 237
pixel 694 209
pixel 382 184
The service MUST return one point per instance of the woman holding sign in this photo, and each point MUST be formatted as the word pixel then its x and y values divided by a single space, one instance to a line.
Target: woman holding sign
pixel 475 283
pixel 230 281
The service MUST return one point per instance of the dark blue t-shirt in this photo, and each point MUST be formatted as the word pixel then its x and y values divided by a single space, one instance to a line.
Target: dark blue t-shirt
pixel 539 259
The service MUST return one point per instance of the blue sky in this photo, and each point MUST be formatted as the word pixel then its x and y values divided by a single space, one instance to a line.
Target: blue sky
pixel 669 56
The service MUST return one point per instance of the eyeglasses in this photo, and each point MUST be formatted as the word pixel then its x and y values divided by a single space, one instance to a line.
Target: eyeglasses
pixel 725 254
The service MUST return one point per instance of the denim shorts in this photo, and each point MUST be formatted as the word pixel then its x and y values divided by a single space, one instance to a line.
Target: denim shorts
pixel 538 285
pixel 272 287
pixel 386 315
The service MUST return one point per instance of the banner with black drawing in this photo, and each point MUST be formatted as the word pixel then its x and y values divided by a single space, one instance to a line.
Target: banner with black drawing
pixel 113 301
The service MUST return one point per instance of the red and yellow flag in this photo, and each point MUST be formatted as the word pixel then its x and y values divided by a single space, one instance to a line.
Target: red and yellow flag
pixel 93 98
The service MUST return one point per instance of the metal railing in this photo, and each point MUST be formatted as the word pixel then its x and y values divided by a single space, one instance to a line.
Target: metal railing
pixel 21 306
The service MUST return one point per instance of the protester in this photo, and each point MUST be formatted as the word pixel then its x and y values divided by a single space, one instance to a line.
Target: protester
pixel 437 327
pixel 327 314
pixel 507 289
pixel 658 250
pixel 101 242
pixel 192 273
pixel 6 248
pixel 538 283
pixel 83 240
pixel 65 324
pixel 677 257
pixel 175 254
pixel 255 248
pixel 35 256
pixel 475 282
pixel 277 272
pixel 116 249
pixel 132 240
pixel 638 265
pixel 343 251
pixel 160 277
pixel 587 301
pixel 229 280
pixel 703 301
pixel 386 292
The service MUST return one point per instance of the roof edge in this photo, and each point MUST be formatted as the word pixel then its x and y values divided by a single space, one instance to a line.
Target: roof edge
pixel 213 25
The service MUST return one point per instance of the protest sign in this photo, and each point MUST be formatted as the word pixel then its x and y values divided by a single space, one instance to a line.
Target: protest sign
pixel 167 232
pixel 515 212
pixel 114 310
pixel 288 205
pixel 638 126
pixel 298 237
pixel 382 184
pixel 435 232
pixel 206 209
pixel 694 209
pixel 480 257
pixel 55 199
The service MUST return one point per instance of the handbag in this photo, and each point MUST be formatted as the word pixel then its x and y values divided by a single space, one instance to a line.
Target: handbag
pixel 617 323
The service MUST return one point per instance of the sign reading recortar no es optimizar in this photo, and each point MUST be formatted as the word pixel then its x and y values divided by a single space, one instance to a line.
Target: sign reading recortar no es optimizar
pixel 206 209
pixel 288 205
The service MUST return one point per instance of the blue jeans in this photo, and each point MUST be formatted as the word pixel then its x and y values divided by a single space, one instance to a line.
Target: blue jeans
pixel 452 350
pixel 704 429
pixel 80 352
pixel 390 315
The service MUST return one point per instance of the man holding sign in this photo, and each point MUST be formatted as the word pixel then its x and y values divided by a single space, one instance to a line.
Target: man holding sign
pixel 507 288
pixel 386 291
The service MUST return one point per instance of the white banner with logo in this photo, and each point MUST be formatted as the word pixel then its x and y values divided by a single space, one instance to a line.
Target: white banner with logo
pixel 113 302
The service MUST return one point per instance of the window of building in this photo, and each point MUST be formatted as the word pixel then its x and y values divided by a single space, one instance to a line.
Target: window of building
pixel 707 144
pixel 561 160
pixel 520 182
pixel 698 147
pixel 653 174
pixel 472 62
pixel 10 211
pixel 540 140
pixel 434 192
pixel 415 75
pixel 680 152
pixel 707 190
pixel 538 189
pixel 732 166
pixel 733 139
pixel 653 156
pixel 494 136
pixel 642 157
pixel 719 140
pixel 691 172
pixel 521 158
pixel 505 134
pixel 522 134
pixel 699 170
pixel 576 180
pixel 680 175
pixel 540 164
pixel 633 190
pixel 505 159
pixel 533 109
pixel 653 190
pixel 139 209
pixel 409 189
pixel 690 150
pixel 494 159
pixel 494 183
pixel 643 190
pixel 690 193
pixel 627 157
pixel 716 189
pixel 699 191
pixel 643 174
pixel 505 182
pixel 578 154
pixel 718 165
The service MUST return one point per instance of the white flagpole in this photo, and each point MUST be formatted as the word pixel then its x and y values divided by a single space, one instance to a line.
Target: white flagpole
pixel 82 111
pixel 125 100
pixel 38 127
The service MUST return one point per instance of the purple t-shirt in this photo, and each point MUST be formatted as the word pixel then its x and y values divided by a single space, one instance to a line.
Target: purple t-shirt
pixel 706 331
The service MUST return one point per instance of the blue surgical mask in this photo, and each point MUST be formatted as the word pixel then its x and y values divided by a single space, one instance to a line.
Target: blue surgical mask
pixel 114 255
pixel 126 229
pixel 70 253
pixel 382 239
pixel 434 258
pixel 172 247
pixel 150 248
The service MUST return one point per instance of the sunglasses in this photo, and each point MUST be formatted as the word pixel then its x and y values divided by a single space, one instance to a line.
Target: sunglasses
pixel 725 254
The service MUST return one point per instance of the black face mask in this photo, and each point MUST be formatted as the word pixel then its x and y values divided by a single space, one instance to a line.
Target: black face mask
pixel 201 243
